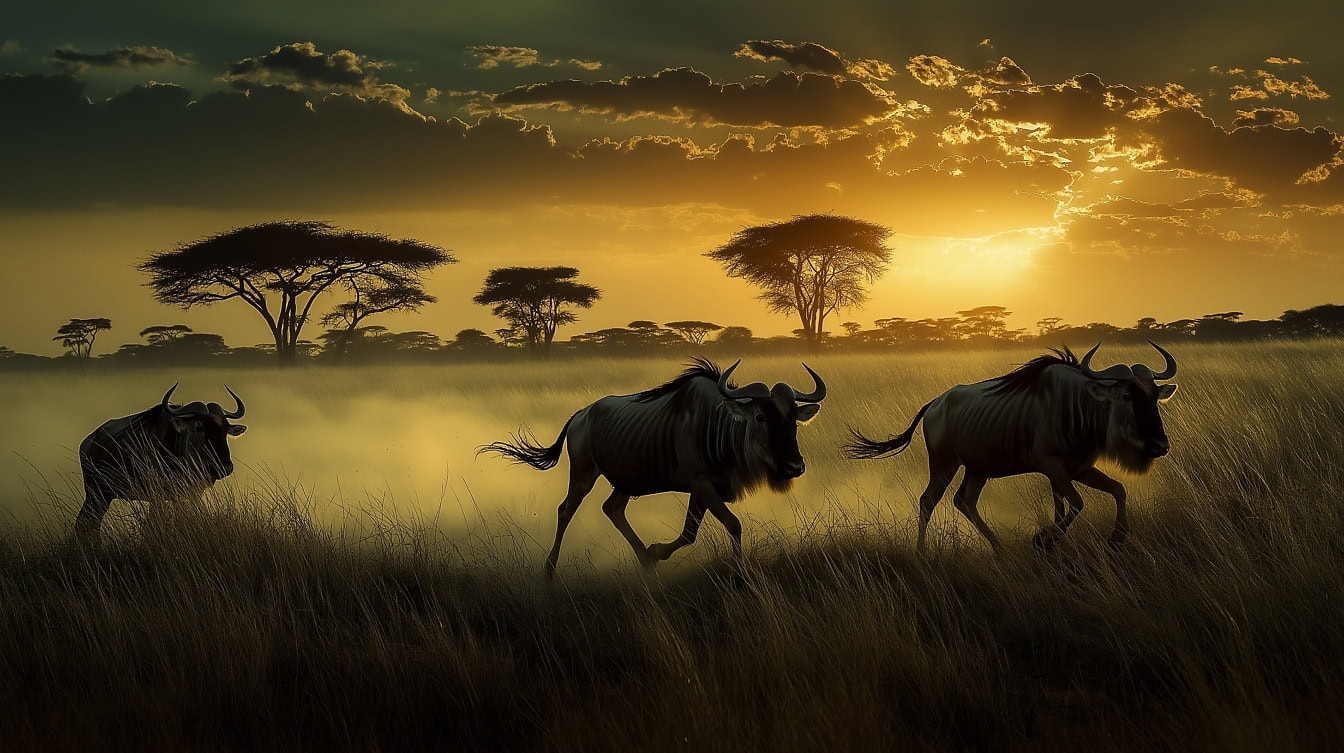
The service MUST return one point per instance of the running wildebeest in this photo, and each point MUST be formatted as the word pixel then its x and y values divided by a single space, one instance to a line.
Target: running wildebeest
pixel 166 451
pixel 697 433
pixel 1053 415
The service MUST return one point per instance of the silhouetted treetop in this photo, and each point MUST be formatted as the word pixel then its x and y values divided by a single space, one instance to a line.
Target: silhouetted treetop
pixel 163 333
pixel 693 330
pixel 78 335
pixel 292 245
pixel 297 261
pixel 812 265
pixel 536 300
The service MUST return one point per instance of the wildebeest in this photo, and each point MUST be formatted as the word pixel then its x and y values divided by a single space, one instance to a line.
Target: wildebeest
pixel 166 451
pixel 1053 415
pixel 697 433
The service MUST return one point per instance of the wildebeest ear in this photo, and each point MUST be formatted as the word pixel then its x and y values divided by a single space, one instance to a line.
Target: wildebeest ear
pixel 741 409
pixel 185 425
pixel 807 412
pixel 1165 391
pixel 236 429
pixel 1100 391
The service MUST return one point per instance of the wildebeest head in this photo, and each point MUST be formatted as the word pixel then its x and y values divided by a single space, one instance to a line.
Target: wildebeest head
pixel 1135 435
pixel 772 416
pixel 202 431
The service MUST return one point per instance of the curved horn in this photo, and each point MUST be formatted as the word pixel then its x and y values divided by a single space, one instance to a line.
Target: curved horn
pixel 755 389
pixel 1118 371
pixel 818 392
pixel 237 412
pixel 1170 370
pixel 171 410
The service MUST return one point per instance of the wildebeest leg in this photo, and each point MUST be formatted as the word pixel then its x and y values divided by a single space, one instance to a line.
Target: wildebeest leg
pixel 1062 486
pixel 730 522
pixel 968 494
pixel 581 482
pixel 941 471
pixel 1103 483
pixel 1059 507
pixel 614 507
pixel 97 498
pixel 695 511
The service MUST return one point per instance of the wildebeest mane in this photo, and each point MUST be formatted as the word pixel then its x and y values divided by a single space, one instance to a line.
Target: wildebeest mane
pixel 1028 375
pixel 698 367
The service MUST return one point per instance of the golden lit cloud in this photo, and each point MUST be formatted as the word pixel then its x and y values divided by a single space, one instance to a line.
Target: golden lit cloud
pixel 934 71
pixel 493 56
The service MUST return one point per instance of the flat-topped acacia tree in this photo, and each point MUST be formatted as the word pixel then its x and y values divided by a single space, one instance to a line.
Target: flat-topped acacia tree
pixel 811 265
pixel 536 300
pixel 280 269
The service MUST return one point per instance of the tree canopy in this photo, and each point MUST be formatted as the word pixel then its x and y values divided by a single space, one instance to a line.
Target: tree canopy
pixel 281 269
pixel 811 265
pixel 536 300
pixel 693 330
pixel 78 335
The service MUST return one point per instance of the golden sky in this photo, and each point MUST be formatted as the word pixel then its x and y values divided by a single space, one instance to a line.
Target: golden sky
pixel 1097 166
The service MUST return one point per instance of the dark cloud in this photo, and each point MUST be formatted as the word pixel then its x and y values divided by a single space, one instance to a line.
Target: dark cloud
pixel 301 64
pixel 1265 159
pixel 1006 73
pixel 808 55
pixel 1262 116
pixel 1082 107
pixel 73 61
pixel 686 95
pixel 814 57
pixel 494 55
pixel 282 150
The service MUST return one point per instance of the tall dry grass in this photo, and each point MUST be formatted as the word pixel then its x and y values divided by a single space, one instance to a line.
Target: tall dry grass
pixel 255 623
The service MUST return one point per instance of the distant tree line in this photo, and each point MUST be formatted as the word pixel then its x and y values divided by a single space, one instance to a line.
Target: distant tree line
pixel 291 273
pixel 177 344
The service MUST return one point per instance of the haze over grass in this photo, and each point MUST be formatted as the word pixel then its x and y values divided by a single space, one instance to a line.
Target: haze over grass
pixel 275 619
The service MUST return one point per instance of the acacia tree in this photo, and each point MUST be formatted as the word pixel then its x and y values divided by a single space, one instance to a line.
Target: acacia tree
pixel 536 300
pixel 811 265
pixel 280 269
pixel 694 331
pixel 984 323
pixel 162 334
pixel 78 335
pixel 345 318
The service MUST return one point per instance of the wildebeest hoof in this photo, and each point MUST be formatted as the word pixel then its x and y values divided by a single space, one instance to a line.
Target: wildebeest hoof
pixel 1117 539
pixel 1045 539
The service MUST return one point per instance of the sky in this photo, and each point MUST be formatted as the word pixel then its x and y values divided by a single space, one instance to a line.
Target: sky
pixel 1095 162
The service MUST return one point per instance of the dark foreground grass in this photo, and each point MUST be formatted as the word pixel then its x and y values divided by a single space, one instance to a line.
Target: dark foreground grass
pixel 1217 628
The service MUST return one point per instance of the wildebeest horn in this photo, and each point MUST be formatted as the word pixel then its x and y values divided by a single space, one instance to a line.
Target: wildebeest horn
pixel 818 392
pixel 755 389
pixel 171 410
pixel 238 412
pixel 1170 370
pixel 1118 371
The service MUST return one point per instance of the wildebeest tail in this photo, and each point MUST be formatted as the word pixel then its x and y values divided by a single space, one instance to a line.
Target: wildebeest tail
pixel 863 448
pixel 524 449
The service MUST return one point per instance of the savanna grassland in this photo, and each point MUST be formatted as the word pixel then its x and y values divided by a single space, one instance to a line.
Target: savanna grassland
pixel 364 583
